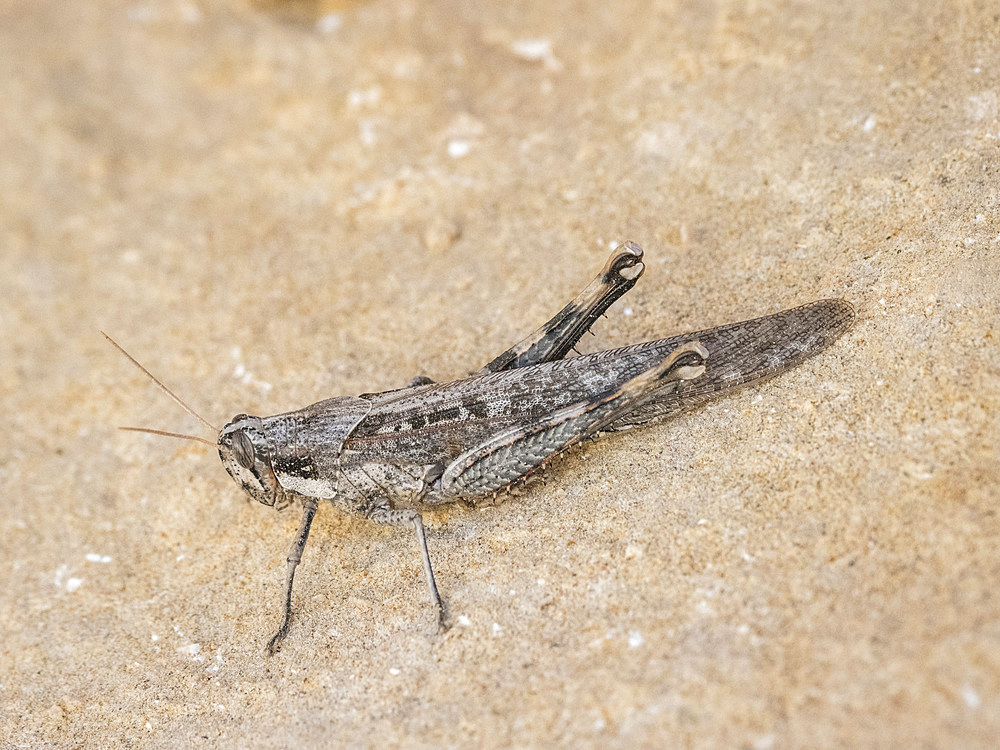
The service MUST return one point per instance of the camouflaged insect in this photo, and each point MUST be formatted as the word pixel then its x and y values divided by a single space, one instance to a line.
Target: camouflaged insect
pixel 384 455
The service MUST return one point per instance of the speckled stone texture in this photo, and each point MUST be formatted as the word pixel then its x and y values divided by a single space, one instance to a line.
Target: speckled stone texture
pixel 273 203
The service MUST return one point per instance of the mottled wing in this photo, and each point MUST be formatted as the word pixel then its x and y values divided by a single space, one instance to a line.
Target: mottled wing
pixel 438 422
pixel 743 353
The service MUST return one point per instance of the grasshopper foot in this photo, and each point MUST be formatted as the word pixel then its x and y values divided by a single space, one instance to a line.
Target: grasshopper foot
pixel 443 620
pixel 277 638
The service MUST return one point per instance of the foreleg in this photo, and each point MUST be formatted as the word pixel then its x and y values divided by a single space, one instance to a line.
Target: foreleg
pixel 294 556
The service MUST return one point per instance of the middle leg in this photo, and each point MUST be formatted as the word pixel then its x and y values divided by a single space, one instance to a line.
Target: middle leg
pixel 392 517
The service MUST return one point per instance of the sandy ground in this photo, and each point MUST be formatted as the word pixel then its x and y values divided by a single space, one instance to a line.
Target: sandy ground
pixel 274 203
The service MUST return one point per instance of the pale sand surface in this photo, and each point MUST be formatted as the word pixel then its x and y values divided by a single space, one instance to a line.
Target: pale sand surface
pixel 273 203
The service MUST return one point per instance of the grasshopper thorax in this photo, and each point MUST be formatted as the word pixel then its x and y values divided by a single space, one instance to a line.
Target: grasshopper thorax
pixel 244 452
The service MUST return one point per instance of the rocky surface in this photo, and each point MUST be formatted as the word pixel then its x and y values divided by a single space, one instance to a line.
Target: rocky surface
pixel 273 203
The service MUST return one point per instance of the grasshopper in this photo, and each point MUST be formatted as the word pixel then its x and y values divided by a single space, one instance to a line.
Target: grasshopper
pixel 384 455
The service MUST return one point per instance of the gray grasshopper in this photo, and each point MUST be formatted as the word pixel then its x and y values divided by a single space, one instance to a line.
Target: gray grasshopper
pixel 383 455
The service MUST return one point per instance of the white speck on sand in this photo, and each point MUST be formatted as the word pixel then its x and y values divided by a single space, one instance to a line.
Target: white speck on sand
pixel 189 12
pixel 367 97
pixel 60 579
pixel 329 23
pixel 218 662
pixel 531 49
pixel 536 50
pixel 971 697
pixel 457 149
pixel 366 132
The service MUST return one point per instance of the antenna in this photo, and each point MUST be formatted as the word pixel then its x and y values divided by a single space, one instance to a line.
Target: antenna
pixel 169 392
pixel 170 434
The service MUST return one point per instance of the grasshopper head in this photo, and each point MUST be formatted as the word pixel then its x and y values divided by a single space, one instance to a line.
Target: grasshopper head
pixel 243 450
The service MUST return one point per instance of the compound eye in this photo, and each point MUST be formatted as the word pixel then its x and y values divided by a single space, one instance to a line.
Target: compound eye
pixel 243 449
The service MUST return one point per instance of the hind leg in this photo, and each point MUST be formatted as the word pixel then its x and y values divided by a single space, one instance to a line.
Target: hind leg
pixel 520 450
pixel 556 338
